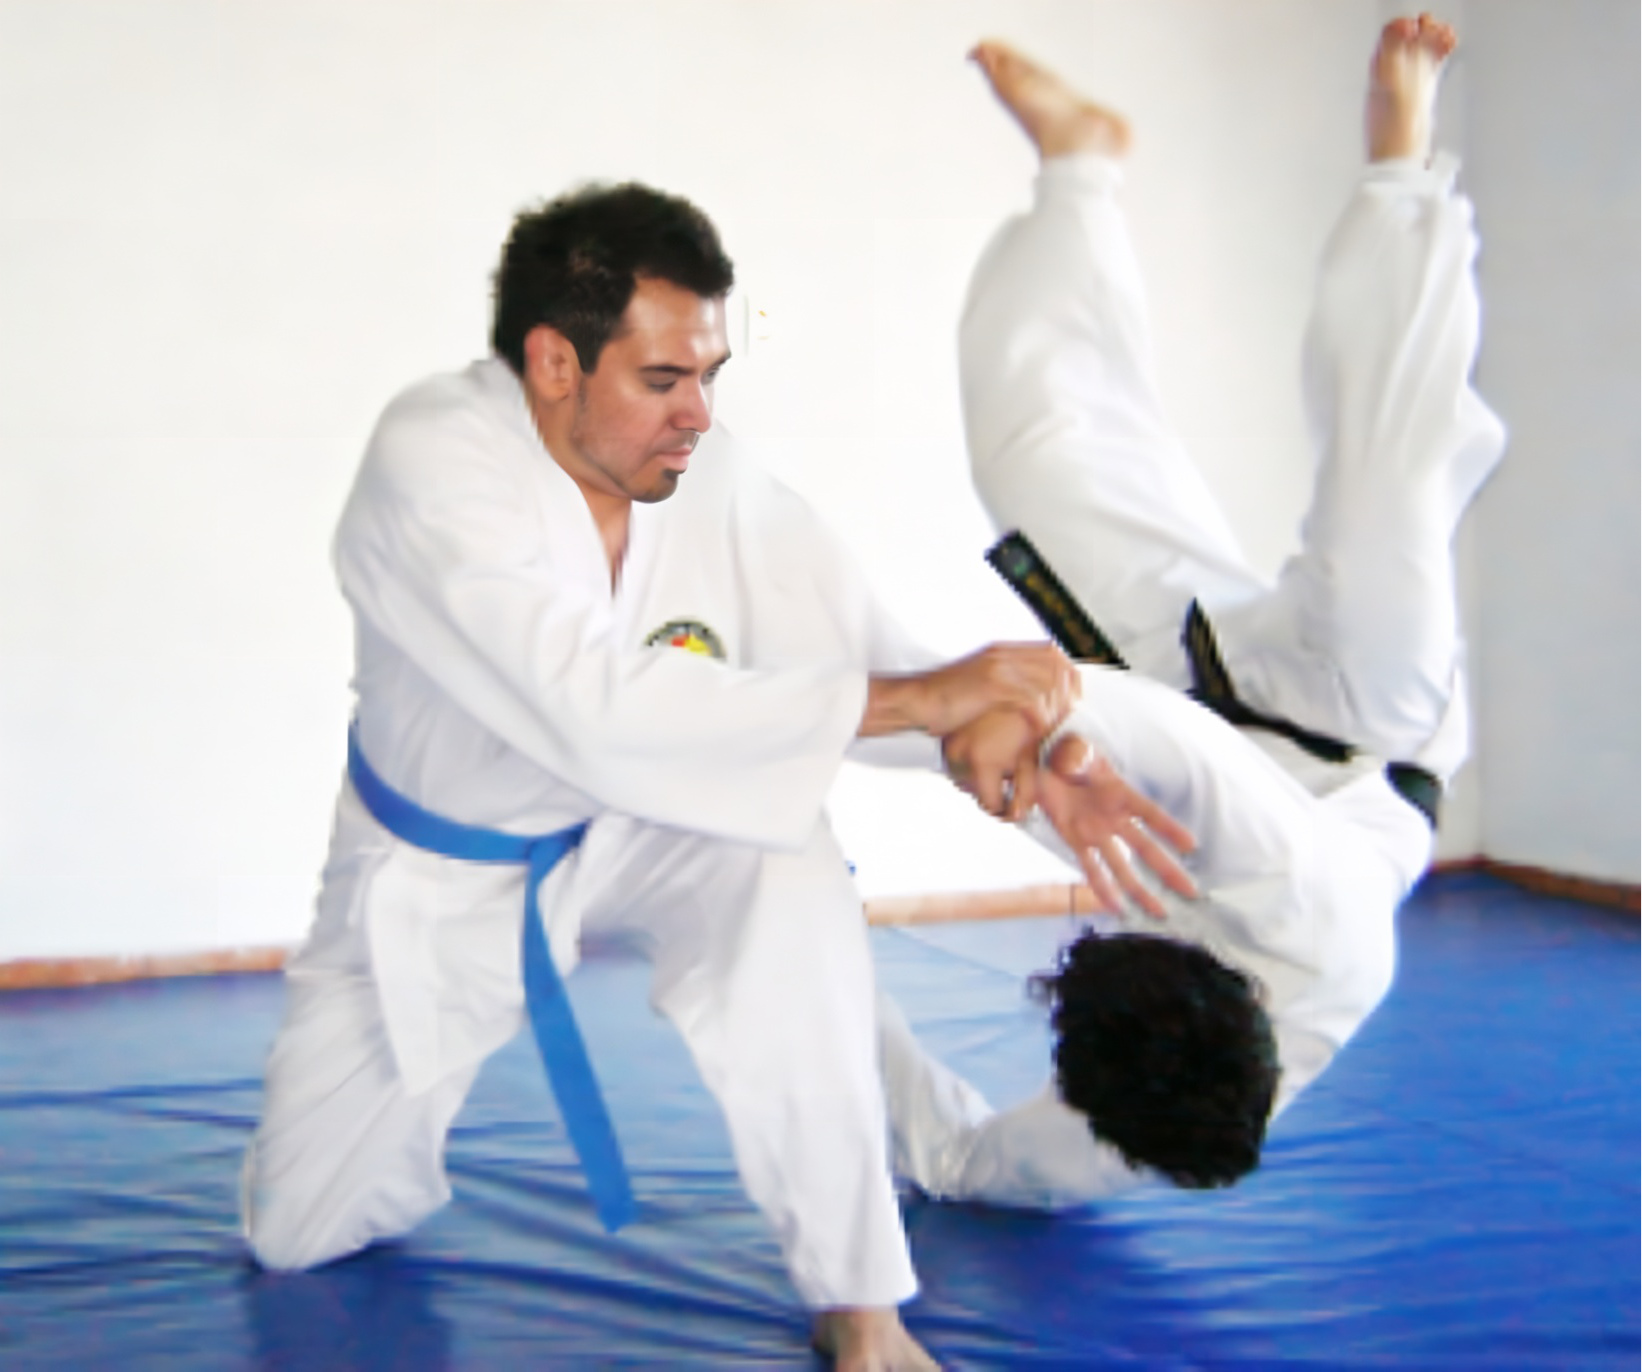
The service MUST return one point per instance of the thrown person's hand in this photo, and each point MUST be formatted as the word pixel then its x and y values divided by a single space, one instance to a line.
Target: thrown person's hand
pixel 1106 822
pixel 995 760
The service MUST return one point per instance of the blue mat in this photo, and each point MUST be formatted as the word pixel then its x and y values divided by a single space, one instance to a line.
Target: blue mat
pixel 1460 1190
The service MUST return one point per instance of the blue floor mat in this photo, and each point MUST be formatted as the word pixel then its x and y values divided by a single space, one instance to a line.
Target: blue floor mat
pixel 1460 1190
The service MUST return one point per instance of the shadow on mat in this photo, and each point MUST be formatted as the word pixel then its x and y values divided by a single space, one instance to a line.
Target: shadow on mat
pixel 370 1312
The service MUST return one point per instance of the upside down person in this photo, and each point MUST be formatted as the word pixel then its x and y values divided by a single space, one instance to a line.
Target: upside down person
pixel 1301 729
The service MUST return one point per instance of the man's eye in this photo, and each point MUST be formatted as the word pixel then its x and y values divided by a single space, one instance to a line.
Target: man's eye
pixel 660 387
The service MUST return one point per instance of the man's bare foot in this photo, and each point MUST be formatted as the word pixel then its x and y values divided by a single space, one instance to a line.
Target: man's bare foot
pixel 1055 117
pixel 1402 87
pixel 872 1340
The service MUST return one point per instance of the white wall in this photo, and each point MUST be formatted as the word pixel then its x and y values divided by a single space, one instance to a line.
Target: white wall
pixel 1553 112
pixel 230 231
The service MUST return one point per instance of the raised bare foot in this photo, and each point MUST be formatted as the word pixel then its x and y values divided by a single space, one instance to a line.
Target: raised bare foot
pixel 1402 87
pixel 1055 117
pixel 872 1340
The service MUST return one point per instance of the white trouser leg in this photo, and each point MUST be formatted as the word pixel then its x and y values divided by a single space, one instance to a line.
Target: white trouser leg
pixel 1067 437
pixel 1403 444
pixel 1069 443
pixel 933 1111
pixel 343 1155
pixel 762 962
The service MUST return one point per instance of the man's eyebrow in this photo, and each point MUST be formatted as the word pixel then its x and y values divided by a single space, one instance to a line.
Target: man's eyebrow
pixel 673 369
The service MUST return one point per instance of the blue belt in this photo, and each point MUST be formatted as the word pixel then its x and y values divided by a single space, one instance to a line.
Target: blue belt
pixel 563 1052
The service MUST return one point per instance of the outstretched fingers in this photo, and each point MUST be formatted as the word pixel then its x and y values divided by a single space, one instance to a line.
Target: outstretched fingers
pixel 1161 860
pixel 1110 827
pixel 1108 898
pixel 1158 820
pixel 1117 860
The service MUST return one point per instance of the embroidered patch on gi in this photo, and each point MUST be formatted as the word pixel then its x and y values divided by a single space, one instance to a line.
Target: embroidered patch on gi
pixel 688 634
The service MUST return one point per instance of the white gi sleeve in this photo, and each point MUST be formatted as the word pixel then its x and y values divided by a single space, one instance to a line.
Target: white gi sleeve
pixel 821 608
pixel 442 549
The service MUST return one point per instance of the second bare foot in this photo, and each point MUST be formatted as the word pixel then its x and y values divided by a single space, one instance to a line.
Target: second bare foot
pixel 1056 118
pixel 870 1340
pixel 1402 87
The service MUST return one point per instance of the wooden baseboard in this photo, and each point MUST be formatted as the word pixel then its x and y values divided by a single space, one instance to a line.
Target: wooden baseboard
pixel 1615 895
pixel 939 908
pixel 944 907
pixel 32 973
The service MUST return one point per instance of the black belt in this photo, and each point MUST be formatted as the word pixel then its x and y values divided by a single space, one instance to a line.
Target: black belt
pixel 1057 609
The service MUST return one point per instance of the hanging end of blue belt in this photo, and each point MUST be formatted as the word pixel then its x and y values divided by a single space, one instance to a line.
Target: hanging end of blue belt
pixel 559 1039
pixel 581 1103
pixel 616 1209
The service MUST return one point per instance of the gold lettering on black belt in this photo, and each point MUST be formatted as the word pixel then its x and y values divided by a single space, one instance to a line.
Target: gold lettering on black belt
pixel 1020 564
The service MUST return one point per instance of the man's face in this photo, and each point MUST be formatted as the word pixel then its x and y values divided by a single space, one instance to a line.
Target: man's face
pixel 641 410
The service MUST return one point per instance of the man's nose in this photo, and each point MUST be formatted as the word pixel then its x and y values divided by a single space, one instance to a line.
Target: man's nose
pixel 696 410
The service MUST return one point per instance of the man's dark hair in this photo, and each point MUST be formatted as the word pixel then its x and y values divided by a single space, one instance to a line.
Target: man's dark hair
pixel 1166 1050
pixel 574 262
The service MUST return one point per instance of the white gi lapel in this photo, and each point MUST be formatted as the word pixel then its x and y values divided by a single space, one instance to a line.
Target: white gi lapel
pixel 671 595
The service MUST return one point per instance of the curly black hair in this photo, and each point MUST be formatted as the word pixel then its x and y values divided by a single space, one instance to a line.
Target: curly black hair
pixel 574 262
pixel 1166 1050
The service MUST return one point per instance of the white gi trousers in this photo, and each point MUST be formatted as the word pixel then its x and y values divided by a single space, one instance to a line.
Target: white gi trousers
pixel 505 682
pixel 1358 638
pixel 761 961
pixel 1302 864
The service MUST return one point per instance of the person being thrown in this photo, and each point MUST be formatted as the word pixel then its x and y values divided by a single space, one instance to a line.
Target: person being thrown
pixel 1301 729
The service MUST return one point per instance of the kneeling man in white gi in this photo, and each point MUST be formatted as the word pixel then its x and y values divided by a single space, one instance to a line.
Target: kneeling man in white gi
pixel 607 669
pixel 1329 706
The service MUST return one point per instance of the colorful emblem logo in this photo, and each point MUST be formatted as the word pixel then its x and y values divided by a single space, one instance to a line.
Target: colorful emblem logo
pixel 688 634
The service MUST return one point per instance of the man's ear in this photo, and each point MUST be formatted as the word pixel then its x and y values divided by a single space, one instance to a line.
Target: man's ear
pixel 552 369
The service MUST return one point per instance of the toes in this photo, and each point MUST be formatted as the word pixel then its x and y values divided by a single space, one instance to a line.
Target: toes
pixel 1397 36
pixel 1438 39
pixel 990 54
pixel 1422 35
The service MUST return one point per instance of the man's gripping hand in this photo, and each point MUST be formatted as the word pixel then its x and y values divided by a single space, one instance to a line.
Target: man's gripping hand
pixel 1035 679
pixel 1105 822
pixel 995 760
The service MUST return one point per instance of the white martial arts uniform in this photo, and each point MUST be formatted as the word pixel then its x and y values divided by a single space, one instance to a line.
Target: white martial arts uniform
pixel 1302 863
pixel 502 683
